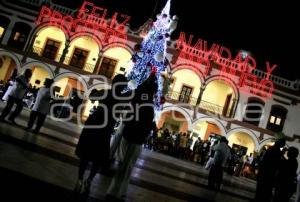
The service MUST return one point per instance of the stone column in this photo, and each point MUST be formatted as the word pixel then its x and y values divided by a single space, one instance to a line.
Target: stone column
pixel 65 52
pixel 8 33
pixel 63 56
pixel 202 89
pixel 97 66
pixel 232 107
pixel 30 47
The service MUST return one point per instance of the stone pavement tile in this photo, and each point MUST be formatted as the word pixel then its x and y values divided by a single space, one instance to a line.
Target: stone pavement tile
pixel 63 175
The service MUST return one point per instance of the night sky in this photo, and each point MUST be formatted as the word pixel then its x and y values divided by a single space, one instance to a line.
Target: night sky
pixel 269 31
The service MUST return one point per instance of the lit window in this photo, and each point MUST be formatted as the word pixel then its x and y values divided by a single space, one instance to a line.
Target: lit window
pixel 1 31
pixel 278 121
pixel 79 58
pixel 272 120
pixel 17 36
pixel 108 66
pixel 277 118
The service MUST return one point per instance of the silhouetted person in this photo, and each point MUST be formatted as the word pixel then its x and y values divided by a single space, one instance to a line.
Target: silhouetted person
pixel 94 142
pixel 135 133
pixel 16 95
pixel 286 178
pixel 41 107
pixel 298 189
pixel 222 153
pixel 267 172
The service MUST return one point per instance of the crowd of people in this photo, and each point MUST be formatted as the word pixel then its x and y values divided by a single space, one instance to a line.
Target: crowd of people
pixel 18 91
pixel 183 146
pixel 274 168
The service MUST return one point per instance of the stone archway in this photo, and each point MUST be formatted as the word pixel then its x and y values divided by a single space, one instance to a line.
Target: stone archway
pixel 244 139
pixel 83 52
pixel 174 118
pixel 8 65
pixel 49 42
pixel 205 127
pixel 219 97
pixel 116 60
pixel 40 72
pixel 185 86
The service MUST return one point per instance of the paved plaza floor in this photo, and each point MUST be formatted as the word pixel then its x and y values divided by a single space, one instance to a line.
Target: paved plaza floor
pixel 43 167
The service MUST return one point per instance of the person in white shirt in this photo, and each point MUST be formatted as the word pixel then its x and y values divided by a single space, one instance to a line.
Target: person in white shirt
pixel 41 107
pixel 8 91
pixel 222 154
pixel 16 95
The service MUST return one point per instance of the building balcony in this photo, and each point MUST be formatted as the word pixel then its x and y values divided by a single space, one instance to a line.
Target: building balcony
pixel 189 101
pixel 84 66
pixel 67 61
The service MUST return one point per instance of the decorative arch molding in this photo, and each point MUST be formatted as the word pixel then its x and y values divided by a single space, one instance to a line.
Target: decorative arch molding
pixel 31 64
pixel 73 75
pixel 189 67
pixel 89 34
pixel 118 45
pixel 247 131
pixel 257 99
pixel 95 85
pixel 265 142
pixel 13 56
pixel 279 107
pixel 212 120
pixel 39 28
pixel 182 111
pixel 47 25
pixel 227 80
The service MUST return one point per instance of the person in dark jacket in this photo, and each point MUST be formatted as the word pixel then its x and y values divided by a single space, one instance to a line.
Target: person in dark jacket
pixel 135 132
pixel 286 178
pixel 94 142
pixel 267 172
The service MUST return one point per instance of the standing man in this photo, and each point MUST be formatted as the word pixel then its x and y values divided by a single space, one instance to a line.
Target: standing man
pixel 298 189
pixel 17 93
pixel 267 172
pixel 41 106
pixel 94 142
pixel 135 132
pixel 222 153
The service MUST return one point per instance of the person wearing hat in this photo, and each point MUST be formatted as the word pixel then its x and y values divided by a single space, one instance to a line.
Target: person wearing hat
pixel 41 107
pixel 94 142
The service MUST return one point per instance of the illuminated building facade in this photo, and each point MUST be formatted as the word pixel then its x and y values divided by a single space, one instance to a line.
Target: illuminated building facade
pixel 78 48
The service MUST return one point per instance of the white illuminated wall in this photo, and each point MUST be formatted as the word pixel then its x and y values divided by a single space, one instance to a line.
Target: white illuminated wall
pixel 52 33
pixel 122 56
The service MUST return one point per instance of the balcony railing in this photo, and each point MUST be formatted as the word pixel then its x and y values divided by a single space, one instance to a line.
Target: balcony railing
pixel 32 2
pixel 276 79
pixel 211 107
pixel 39 51
pixel 86 67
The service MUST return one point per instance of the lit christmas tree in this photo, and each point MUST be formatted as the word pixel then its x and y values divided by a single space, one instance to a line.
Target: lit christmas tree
pixel 151 53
